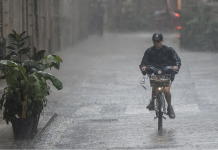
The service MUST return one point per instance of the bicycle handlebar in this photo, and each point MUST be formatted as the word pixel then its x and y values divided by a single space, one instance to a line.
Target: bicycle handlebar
pixel 167 70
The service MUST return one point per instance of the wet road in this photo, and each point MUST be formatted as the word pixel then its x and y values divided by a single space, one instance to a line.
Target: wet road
pixel 102 105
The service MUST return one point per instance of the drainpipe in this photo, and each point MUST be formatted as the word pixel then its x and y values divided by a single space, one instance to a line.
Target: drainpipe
pixel 179 5
pixel 170 23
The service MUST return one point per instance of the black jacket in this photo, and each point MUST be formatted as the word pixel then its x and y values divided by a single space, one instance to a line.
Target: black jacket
pixel 160 58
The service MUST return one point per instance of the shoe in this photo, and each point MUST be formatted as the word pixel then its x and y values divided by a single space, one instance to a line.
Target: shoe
pixel 170 112
pixel 150 106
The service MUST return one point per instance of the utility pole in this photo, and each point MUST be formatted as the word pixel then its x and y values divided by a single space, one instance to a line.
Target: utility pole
pixel 2 40
pixel 170 23
pixel 179 4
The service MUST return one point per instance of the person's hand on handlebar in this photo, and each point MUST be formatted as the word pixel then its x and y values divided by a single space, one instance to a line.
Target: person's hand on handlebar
pixel 143 68
pixel 176 68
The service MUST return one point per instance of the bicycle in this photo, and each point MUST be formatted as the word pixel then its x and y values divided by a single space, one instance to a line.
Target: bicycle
pixel 159 78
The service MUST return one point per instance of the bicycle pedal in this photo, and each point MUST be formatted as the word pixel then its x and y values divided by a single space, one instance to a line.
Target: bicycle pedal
pixel 155 117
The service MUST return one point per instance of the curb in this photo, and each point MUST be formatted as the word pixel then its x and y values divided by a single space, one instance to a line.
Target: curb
pixel 41 131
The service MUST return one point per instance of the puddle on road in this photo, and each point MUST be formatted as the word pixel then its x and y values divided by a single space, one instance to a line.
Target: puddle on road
pixel 163 137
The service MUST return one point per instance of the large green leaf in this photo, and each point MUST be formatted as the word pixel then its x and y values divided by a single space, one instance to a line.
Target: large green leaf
pixel 12 37
pixel 41 53
pixel 56 65
pixel 22 33
pixel 31 64
pixel 53 79
pixel 38 55
pixel 36 86
pixel 12 77
pixel 13 52
pixel 4 62
pixel 15 33
pixel 24 50
pixel 14 43
pixel 28 65
pixel 53 57
pixel 13 64
pixel 21 44
pixel 11 48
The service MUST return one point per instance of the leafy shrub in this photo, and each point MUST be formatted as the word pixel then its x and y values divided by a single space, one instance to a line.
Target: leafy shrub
pixel 199 31
pixel 27 86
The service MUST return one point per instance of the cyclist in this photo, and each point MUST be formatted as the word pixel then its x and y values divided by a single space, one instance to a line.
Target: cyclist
pixel 161 56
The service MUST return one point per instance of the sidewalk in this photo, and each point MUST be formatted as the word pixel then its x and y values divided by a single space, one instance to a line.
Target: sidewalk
pixel 6 132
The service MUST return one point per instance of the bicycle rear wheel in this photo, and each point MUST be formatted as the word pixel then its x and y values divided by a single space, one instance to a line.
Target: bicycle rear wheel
pixel 160 113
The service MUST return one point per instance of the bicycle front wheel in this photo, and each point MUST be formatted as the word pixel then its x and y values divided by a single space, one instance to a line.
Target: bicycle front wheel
pixel 160 113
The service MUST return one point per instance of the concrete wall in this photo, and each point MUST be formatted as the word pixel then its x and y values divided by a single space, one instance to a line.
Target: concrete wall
pixel 52 24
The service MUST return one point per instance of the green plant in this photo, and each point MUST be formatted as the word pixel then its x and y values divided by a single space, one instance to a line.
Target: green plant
pixel 17 50
pixel 199 31
pixel 27 81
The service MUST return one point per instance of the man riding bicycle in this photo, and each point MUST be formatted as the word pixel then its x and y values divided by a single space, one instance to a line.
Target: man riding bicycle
pixel 161 56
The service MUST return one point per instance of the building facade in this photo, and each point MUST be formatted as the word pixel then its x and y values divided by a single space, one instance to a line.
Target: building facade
pixel 52 24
